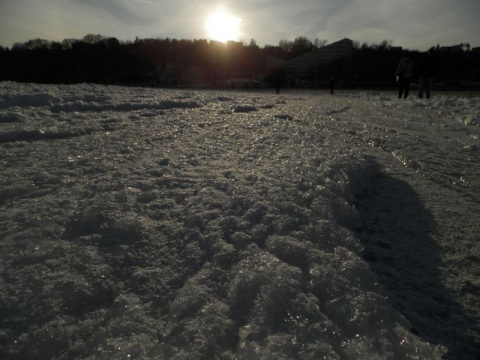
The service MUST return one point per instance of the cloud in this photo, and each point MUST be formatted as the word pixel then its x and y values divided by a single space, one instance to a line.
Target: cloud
pixel 409 23
pixel 129 12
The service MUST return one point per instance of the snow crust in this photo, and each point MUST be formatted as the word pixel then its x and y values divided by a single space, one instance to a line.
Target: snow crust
pixel 178 224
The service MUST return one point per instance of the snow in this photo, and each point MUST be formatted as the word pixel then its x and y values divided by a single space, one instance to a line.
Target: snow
pixel 185 224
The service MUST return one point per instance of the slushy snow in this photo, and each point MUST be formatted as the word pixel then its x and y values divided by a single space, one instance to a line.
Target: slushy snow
pixel 142 223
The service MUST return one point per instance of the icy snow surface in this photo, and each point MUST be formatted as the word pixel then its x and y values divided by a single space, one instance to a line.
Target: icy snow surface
pixel 177 224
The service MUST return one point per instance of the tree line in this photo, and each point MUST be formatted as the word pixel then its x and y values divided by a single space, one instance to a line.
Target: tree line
pixel 167 62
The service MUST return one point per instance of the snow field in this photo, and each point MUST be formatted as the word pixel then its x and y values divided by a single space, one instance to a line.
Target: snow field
pixel 144 223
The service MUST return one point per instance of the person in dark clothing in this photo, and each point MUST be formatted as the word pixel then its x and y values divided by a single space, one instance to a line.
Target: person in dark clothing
pixel 331 85
pixel 427 71
pixel 278 81
pixel 278 85
pixel 404 75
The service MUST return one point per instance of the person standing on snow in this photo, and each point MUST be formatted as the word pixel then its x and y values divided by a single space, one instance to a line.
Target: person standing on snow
pixel 331 84
pixel 427 70
pixel 404 75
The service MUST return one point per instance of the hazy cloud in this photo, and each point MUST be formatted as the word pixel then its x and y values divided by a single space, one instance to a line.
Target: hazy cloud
pixel 409 23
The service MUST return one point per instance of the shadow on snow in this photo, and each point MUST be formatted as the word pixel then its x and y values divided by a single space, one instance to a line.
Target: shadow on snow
pixel 396 233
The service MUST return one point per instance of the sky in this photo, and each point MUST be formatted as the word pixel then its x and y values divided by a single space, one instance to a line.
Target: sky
pixel 412 24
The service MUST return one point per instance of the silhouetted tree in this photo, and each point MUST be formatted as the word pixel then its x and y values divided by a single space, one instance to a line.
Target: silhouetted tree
pixel 100 59
pixel 317 43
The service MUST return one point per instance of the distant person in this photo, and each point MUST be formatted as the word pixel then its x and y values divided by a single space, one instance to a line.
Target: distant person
pixel 278 82
pixel 331 85
pixel 278 85
pixel 427 71
pixel 404 75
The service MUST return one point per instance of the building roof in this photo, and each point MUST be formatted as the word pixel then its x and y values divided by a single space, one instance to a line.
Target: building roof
pixel 323 55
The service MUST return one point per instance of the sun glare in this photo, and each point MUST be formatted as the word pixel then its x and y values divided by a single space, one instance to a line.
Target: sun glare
pixel 222 26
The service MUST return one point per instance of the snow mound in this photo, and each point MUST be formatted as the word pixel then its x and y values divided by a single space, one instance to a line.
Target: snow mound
pixel 244 109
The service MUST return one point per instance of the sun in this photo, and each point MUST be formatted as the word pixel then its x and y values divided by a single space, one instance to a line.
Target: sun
pixel 222 26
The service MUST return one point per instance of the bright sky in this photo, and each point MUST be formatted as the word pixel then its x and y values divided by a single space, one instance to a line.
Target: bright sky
pixel 412 24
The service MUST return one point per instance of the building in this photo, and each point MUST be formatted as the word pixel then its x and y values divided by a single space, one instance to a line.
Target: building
pixel 302 65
